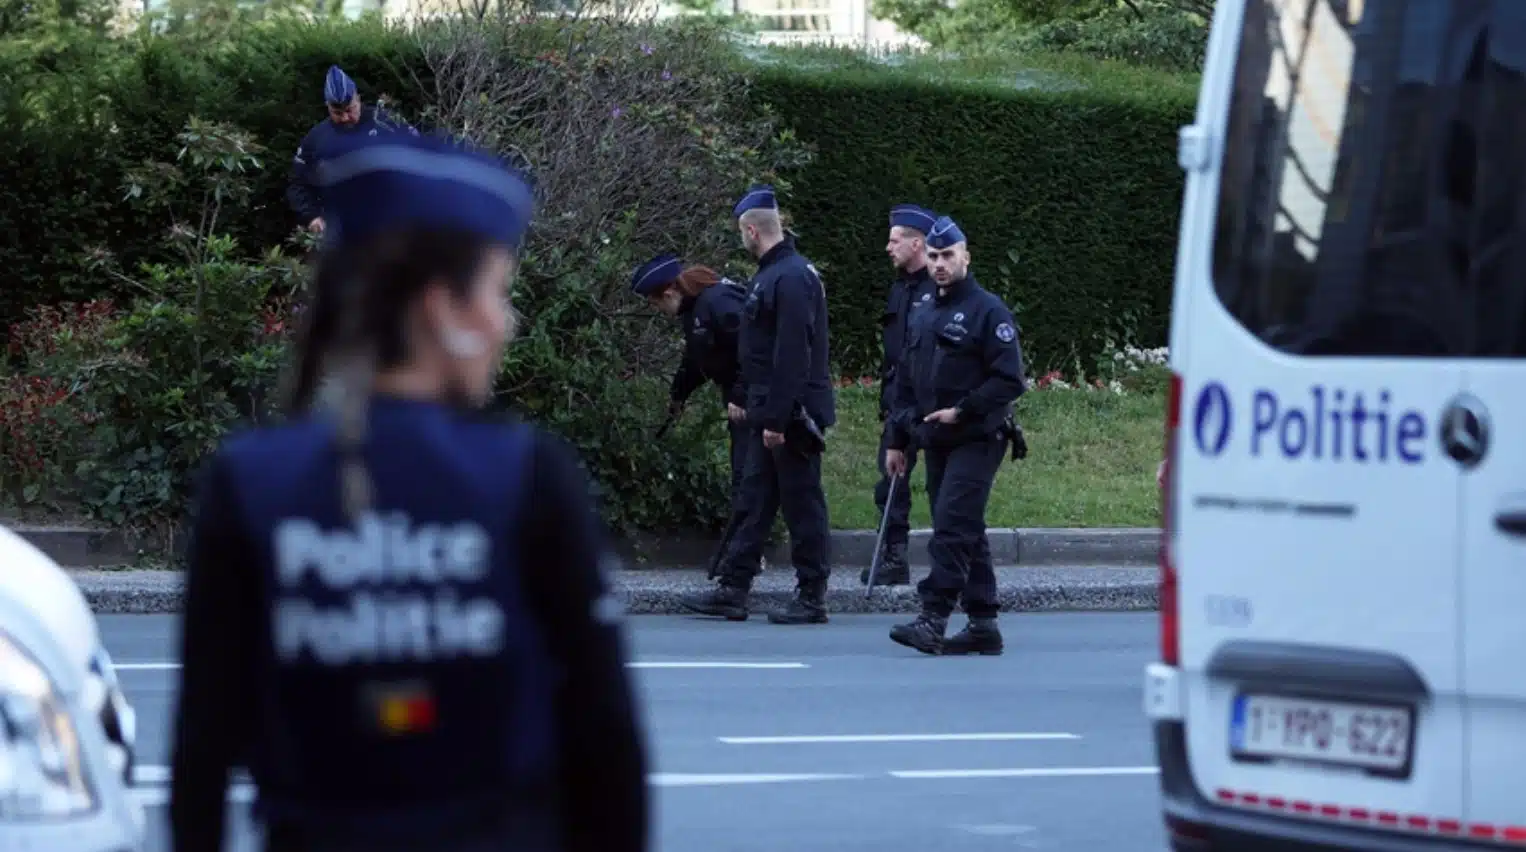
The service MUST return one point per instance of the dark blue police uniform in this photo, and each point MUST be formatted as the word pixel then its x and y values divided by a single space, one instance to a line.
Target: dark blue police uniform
pixel 910 291
pixel 785 357
pixel 962 352
pixel 711 324
pixel 327 139
pixel 443 671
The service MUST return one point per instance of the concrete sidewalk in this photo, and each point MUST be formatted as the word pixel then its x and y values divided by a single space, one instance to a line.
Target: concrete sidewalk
pixel 84 547
pixel 656 591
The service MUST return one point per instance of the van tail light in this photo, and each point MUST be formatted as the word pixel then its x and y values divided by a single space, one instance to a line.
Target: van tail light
pixel 1170 636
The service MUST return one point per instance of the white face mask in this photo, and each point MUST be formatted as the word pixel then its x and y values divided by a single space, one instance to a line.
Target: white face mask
pixel 462 343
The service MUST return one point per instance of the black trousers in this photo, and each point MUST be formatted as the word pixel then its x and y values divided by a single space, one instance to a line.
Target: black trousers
pixel 959 483
pixel 898 526
pixel 738 435
pixel 774 479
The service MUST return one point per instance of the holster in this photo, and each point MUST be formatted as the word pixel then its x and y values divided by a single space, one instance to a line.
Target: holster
pixel 803 435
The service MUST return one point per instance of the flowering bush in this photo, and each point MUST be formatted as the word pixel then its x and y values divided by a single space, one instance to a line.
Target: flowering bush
pixel 113 406
pixel 1127 370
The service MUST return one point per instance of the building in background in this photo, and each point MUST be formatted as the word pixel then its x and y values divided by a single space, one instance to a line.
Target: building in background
pixel 839 22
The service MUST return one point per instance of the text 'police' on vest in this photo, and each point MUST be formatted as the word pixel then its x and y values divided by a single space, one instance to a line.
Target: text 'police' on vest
pixel 386 591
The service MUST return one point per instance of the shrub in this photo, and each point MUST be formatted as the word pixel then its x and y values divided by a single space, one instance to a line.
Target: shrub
pixel 1164 38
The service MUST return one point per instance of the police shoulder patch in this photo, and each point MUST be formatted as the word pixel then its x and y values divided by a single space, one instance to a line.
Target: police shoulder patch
pixel 1005 332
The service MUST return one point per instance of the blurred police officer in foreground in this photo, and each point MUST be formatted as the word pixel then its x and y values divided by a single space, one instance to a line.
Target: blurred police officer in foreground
pixel 912 289
pixel 960 374
pixel 397 616
pixel 790 403
pixel 348 118
pixel 709 309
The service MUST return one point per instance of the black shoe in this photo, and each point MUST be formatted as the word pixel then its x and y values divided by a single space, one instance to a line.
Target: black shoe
pixel 807 607
pixel 925 633
pixel 722 602
pixel 980 636
pixel 894 571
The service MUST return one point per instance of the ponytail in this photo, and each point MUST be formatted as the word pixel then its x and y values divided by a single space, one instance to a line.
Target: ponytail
pixel 356 327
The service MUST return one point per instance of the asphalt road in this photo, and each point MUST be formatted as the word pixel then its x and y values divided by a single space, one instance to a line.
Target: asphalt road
pixel 832 737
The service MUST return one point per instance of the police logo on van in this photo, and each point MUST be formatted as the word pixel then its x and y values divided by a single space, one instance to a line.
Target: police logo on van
pixel 1318 424
pixel 1212 419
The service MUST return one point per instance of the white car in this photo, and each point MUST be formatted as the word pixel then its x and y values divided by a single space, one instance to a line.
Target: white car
pixel 1343 570
pixel 66 730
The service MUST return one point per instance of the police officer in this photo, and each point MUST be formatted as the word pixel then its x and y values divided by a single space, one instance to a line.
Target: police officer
pixel 397 616
pixel 957 381
pixel 790 403
pixel 349 122
pixel 912 289
pixel 709 309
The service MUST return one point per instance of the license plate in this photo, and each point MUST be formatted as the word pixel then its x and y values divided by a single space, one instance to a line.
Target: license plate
pixel 1370 736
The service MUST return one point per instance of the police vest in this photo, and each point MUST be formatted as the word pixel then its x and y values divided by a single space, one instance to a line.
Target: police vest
pixel 405 683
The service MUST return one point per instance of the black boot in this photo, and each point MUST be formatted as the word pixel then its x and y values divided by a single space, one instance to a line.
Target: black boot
pixel 894 570
pixel 925 633
pixel 980 636
pixel 809 606
pixel 723 601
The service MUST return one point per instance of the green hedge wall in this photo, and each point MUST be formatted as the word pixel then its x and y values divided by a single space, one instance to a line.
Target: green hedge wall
pixel 1069 200
pixel 1069 197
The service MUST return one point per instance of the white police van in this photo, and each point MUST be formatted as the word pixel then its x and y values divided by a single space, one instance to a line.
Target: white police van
pixel 1343 567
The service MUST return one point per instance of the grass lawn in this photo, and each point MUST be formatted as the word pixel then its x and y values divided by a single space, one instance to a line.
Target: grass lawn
pixel 1091 462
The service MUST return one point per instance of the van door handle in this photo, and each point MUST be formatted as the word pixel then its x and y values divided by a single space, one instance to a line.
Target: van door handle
pixel 1512 522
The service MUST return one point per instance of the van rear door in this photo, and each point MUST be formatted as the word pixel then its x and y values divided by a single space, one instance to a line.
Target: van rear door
pixel 1487 432
pixel 1317 533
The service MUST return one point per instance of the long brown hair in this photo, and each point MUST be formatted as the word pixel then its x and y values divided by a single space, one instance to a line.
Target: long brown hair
pixel 695 279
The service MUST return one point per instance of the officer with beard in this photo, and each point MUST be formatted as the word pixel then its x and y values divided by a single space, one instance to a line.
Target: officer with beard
pixel 960 374
pixel 912 289
pixel 709 310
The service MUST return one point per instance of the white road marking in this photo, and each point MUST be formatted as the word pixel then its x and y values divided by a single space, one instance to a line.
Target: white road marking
pixel 1031 772
pixel 670 779
pixel 153 790
pixel 152 782
pixel 646 664
pixel 894 738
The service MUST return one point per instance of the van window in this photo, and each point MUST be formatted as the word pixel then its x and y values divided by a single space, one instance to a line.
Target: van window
pixel 1373 193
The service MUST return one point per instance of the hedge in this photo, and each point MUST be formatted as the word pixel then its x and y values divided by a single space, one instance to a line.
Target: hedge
pixel 1069 200
pixel 641 136
pixel 1069 193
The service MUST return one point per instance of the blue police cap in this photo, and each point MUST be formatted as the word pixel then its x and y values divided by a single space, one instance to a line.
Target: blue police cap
pixel 760 196
pixel 338 88
pixel 912 216
pixel 401 180
pixel 944 234
pixel 655 274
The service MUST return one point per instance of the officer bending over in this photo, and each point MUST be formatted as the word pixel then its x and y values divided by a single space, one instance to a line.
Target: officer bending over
pixel 709 309
pixel 397 616
pixel 790 403
pixel 348 123
pixel 912 289
pixel 961 372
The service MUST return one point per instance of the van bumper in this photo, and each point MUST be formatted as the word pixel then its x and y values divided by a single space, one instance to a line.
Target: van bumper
pixel 1195 824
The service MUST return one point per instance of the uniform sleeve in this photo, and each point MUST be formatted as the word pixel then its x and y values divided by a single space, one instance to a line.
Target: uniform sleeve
pixel 604 760
pixel 1002 354
pixel 902 410
pixel 698 335
pixel 217 652
pixel 792 348
pixel 301 194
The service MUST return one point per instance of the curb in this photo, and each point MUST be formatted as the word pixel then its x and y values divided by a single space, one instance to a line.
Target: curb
pixel 86 547
pixel 658 591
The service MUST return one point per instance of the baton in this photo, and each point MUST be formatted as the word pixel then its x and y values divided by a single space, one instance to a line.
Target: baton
pixel 714 569
pixel 879 541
